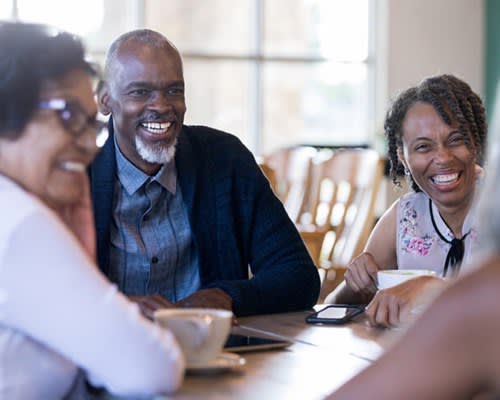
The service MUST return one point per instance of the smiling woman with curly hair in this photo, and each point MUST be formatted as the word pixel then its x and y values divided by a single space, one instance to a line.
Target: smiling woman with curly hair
pixel 452 351
pixel 436 134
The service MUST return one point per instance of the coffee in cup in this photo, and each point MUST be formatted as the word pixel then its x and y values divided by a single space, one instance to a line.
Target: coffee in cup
pixel 391 277
pixel 200 332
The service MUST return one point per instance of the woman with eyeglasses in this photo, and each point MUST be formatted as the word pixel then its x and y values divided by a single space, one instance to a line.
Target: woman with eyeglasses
pixel 58 314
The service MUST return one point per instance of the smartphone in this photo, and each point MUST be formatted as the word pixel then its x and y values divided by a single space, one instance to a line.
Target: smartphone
pixel 335 314
pixel 242 343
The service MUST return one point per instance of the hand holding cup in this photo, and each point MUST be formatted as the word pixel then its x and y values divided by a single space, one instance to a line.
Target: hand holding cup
pixel 200 332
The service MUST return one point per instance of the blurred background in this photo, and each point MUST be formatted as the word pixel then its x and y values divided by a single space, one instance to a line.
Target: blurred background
pixel 281 73
pixel 278 73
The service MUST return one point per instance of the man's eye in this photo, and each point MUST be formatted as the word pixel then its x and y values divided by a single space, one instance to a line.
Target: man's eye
pixel 139 92
pixel 175 91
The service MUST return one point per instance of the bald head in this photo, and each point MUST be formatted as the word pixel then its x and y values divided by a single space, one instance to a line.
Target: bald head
pixel 143 90
pixel 137 38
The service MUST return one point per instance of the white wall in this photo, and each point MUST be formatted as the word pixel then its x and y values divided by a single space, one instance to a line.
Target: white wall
pixel 419 38
pixel 428 37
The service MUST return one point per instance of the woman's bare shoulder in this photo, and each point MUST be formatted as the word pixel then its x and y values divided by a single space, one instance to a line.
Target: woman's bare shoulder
pixel 382 241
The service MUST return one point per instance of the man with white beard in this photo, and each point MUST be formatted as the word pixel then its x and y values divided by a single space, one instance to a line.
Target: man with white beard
pixel 182 212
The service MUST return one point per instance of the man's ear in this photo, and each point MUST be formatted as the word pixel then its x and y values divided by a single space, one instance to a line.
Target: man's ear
pixel 103 98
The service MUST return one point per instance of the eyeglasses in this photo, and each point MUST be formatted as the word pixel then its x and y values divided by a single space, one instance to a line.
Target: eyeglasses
pixel 75 120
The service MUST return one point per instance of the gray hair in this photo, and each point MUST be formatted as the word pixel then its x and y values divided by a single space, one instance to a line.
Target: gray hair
pixel 147 37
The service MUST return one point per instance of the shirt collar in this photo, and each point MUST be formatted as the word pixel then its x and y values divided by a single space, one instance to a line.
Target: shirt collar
pixel 132 178
pixel 443 226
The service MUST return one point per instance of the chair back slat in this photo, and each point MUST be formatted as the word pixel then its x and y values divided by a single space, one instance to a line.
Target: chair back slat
pixel 338 214
pixel 330 196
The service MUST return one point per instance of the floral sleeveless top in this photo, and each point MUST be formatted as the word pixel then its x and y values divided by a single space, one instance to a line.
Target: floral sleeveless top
pixel 418 244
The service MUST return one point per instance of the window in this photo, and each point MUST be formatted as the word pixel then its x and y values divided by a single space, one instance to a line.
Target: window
pixel 98 22
pixel 273 72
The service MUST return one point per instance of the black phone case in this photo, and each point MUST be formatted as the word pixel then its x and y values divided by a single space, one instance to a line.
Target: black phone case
pixel 356 310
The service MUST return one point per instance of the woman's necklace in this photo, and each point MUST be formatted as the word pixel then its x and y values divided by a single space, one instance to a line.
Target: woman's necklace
pixel 456 252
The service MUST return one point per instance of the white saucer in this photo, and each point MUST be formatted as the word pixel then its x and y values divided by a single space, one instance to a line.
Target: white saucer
pixel 222 362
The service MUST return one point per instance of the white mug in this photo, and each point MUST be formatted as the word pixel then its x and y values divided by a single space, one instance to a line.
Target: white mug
pixel 200 332
pixel 387 278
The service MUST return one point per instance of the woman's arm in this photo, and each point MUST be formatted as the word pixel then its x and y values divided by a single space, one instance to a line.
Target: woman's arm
pixel 359 285
pixel 57 296
pixel 382 241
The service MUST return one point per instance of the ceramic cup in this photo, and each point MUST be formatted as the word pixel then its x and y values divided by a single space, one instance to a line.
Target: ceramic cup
pixel 392 277
pixel 200 332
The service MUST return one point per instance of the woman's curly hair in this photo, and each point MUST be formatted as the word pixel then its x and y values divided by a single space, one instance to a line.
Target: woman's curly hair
pixel 453 100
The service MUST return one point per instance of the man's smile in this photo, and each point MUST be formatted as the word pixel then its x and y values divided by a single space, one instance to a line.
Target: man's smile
pixel 156 128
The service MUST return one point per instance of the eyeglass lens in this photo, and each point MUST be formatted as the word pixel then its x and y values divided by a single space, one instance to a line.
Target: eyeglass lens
pixel 75 120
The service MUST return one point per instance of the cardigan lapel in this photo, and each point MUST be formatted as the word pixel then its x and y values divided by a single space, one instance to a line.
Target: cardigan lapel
pixel 194 175
pixel 185 160
pixel 102 174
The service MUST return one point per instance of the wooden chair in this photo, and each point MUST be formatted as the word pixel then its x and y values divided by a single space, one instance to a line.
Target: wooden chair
pixel 292 168
pixel 338 216
pixel 270 175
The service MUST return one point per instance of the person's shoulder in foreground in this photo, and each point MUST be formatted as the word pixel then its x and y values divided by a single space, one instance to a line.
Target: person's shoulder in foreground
pixel 451 353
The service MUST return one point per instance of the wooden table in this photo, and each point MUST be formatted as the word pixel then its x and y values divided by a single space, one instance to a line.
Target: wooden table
pixel 320 359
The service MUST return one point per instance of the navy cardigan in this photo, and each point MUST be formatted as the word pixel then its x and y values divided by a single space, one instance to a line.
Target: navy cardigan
pixel 236 221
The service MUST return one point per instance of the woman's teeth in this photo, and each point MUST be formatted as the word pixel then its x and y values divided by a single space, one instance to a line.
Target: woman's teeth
pixel 73 166
pixel 444 179
pixel 156 127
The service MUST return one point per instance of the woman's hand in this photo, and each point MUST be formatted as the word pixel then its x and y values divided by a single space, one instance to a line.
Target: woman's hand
pixel 79 218
pixel 361 274
pixel 392 306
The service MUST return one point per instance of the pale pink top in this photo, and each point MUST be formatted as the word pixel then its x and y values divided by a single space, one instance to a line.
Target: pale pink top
pixel 418 245
pixel 58 313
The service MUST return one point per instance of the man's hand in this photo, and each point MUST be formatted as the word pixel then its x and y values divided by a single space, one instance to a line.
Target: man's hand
pixel 361 274
pixel 149 304
pixel 392 306
pixel 207 298
pixel 204 298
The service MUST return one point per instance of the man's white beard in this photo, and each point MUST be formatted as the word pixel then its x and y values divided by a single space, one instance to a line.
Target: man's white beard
pixel 155 155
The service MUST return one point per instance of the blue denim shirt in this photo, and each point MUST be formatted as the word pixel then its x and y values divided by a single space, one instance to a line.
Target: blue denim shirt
pixel 152 249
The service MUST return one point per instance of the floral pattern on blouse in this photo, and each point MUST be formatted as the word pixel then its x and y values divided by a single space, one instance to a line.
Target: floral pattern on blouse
pixel 410 242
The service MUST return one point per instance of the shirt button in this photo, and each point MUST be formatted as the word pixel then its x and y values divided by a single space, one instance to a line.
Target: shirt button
pixel 154 260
